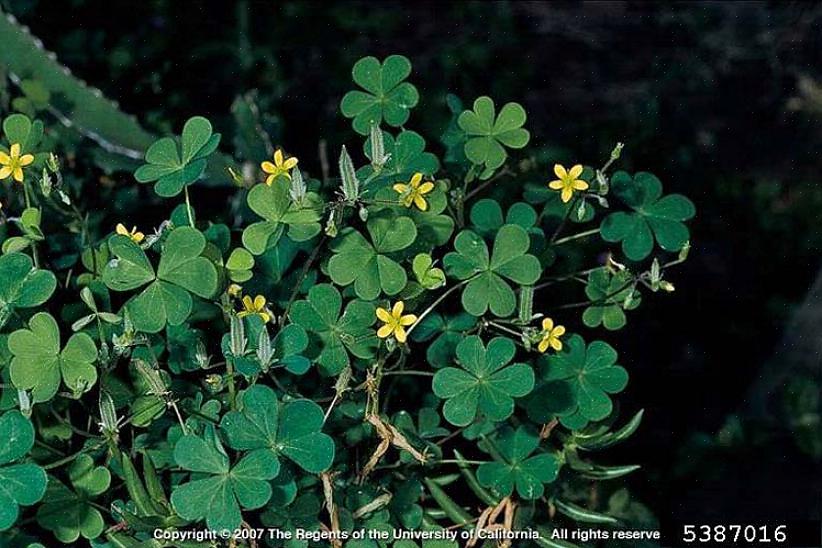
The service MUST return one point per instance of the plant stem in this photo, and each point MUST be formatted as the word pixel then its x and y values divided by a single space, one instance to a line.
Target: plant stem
pixel 419 373
pixel 232 389
pixel 188 207
pixel 577 236
pixel 433 305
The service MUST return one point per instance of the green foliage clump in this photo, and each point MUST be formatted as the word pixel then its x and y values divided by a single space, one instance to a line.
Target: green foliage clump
pixel 327 354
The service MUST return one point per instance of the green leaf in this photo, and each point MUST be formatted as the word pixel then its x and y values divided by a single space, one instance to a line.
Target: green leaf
pixel 489 134
pixel 591 375
pixel 449 332
pixel 609 294
pixel 406 156
pixel 23 484
pixel 292 429
pixel 509 260
pixel 366 264
pixel 386 97
pixel 484 383
pixel 520 467
pixel 39 364
pixel 335 335
pixel 654 217
pixel 220 489
pixel 279 213
pixel 69 513
pixel 426 273
pixel 181 272
pixel 170 168
pixel 19 129
pixel 22 285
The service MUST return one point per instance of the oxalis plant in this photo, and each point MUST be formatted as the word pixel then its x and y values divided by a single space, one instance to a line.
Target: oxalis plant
pixel 419 341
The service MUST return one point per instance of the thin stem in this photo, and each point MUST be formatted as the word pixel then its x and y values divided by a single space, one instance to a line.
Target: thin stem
pixel 188 207
pixel 418 373
pixel 505 171
pixel 584 234
pixel 455 461
pixel 433 305
pixel 504 329
pixel 66 460
pixel 232 389
pixel 301 279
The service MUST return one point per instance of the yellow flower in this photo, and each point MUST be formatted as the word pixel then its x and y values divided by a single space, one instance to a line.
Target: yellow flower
pixel 394 322
pixel 13 163
pixel 551 335
pixel 135 235
pixel 414 192
pixel 281 166
pixel 257 306
pixel 234 290
pixel 568 181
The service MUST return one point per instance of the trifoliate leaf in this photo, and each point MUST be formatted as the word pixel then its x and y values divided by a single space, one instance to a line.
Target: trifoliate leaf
pixel 366 263
pixel 291 429
pixel 484 383
pixel 336 335
pixel 489 133
pixel 22 285
pixel 170 168
pixel 273 203
pixel 39 363
pixel 521 468
pixel 654 216
pixel 386 97
pixel 182 271
pixel 509 260
pixel 609 295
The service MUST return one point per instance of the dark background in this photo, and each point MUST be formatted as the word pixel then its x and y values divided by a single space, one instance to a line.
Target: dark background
pixel 723 101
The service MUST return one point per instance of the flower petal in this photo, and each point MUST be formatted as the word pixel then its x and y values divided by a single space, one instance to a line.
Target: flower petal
pixel 420 202
pixel 400 334
pixel 575 171
pixel 259 302
pixel 556 185
pixel 4 158
pixel 278 158
pixel 121 229
pixel 15 150
pixel 268 167
pixel 290 163
pixel 543 345
pixel 579 184
pixel 415 180
pixel 399 306
pixel 383 314
pixel 558 331
pixel 401 188
pixel 556 344
pixel 560 171
pixel 547 324
pixel 408 319
pixel 567 193
pixel 248 304
pixel 5 172
pixel 426 187
pixel 385 331
pixel 26 159
pixel 18 174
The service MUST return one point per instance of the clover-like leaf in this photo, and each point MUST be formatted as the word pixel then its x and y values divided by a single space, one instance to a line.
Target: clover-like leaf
pixel 70 513
pixel 447 332
pixel 654 217
pixel 521 468
pixel 39 363
pixel 338 335
pixel 292 429
pixel 173 167
pixel 239 265
pixel 429 276
pixel 490 133
pixel 19 128
pixel 365 263
pixel 509 260
pixel 485 383
pixel 167 298
pixel 421 434
pixel 274 204
pixel 22 285
pixel 591 376
pixel 217 490
pixel 610 294
pixel 23 484
pixel 386 96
